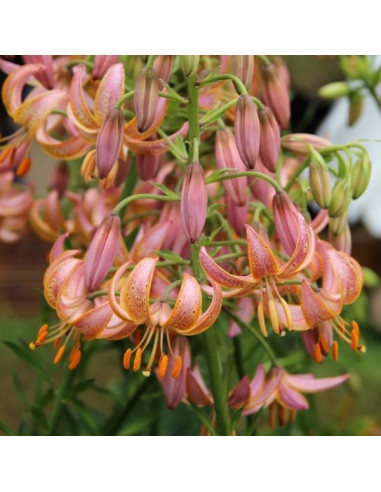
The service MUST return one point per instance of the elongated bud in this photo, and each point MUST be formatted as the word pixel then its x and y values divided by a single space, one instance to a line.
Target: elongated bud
pixel 269 147
pixel 227 156
pixel 146 98
pixel 246 126
pixel 361 176
pixel 341 198
pixel 102 251
pixel 237 216
pixel 356 105
pixel 109 142
pixel 147 165
pixel 189 64
pixel 286 221
pixel 334 90
pixel 193 202
pixel 342 241
pixel 320 182
pixel 337 225
pixel 275 94
pixel 299 143
pixel 242 66
pixel 163 66
pixel 60 177
pixel 102 63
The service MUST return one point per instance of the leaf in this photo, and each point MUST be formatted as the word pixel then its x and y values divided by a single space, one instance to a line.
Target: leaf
pixel 39 416
pixel 165 190
pixel 371 279
pixel 20 391
pixel 87 417
pixel 171 256
pixel 27 356
pixel 134 428
pixel 77 389
pixel 6 429
pixel 179 142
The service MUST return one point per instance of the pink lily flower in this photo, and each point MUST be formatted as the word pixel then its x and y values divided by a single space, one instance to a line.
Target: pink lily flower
pixel 186 317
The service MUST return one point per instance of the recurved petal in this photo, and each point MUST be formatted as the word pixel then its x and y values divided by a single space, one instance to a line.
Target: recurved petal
pixel 291 398
pixel 240 393
pixel 221 276
pixel 71 148
pixel 57 273
pixel 77 103
pixel 14 85
pixel 196 389
pixel 135 292
pixel 152 241
pixel 317 307
pixel 94 321
pixel 156 146
pixel 349 274
pixel 109 92
pixel 304 250
pixel 262 261
pixel 308 384
pixel 188 306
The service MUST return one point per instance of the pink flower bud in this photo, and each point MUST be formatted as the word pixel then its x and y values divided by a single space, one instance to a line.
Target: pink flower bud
pixel 146 98
pixel 242 66
pixel 109 142
pixel 237 216
pixel 60 178
pixel 298 143
pixel 275 94
pixel 270 139
pixel 227 157
pixel 102 63
pixel 147 165
pixel 102 251
pixel 286 221
pixel 246 126
pixel 163 67
pixel 194 202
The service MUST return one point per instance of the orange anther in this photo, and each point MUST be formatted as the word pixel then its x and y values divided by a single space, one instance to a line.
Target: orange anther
pixel 335 350
pixel 8 150
pixel 41 338
pixel 324 345
pixel 75 360
pixel 127 358
pixel 43 329
pixel 163 365
pixel 138 360
pixel 354 340
pixel 59 354
pixel 24 167
pixel 57 342
pixel 75 349
pixel 177 368
pixel 355 327
pixel 318 354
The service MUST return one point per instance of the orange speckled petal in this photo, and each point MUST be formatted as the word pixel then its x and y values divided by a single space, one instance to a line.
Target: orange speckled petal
pixel 77 103
pixel 109 92
pixel 262 261
pixel 14 85
pixel 94 321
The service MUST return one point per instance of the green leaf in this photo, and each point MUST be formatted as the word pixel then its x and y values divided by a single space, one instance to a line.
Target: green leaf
pixel 19 390
pixel 6 429
pixel 137 426
pixel 27 356
pixel 169 255
pixel 78 388
pixel 39 416
pixel 371 279
pixel 179 142
pixel 87 417
pixel 165 190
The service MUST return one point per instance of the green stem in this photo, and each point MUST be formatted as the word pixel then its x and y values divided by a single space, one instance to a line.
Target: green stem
pixel 219 396
pixel 298 172
pixel 228 242
pixel 214 114
pixel 256 174
pixel 173 97
pixel 124 98
pixel 226 76
pixel 126 201
pixel 264 60
pixel 193 112
pixel 172 147
pixel 57 408
pixel 150 61
pixel 74 63
pixel 261 340
pixel 59 112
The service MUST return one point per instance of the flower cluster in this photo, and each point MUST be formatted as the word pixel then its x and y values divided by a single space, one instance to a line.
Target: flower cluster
pixel 191 200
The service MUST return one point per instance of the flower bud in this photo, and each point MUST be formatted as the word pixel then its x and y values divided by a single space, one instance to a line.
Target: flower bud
pixel 60 178
pixel 147 165
pixel 246 126
pixel 237 216
pixel 356 105
pixel 299 143
pixel 269 147
pixel 275 94
pixel 102 63
pixel 102 251
pixel 189 64
pixel 227 156
pixel 342 241
pixel 360 176
pixel 193 202
pixel 286 221
pixel 163 67
pixel 337 224
pixel 109 142
pixel 320 182
pixel 334 90
pixel 146 98
pixel 242 66
pixel 341 198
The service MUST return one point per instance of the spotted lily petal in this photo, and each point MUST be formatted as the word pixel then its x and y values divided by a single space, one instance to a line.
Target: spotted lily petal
pixel 68 149
pixel 82 116
pixel 317 307
pixel 14 85
pixel 262 261
pixel 94 321
pixel 110 90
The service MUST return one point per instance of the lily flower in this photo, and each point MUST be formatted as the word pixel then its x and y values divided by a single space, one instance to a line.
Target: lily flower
pixel 265 271
pixel 279 389
pixel 161 321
